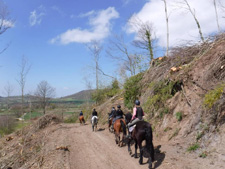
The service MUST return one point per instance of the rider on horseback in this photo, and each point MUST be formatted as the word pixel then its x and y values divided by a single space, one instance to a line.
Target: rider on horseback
pixel 138 114
pixel 118 115
pixel 94 114
pixel 81 113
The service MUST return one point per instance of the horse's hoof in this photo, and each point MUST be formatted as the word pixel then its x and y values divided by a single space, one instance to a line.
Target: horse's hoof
pixel 140 162
pixel 135 156
pixel 130 152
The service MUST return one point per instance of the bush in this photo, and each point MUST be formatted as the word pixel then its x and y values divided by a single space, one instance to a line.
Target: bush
pixel 132 89
pixel 179 116
pixel 193 147
pixel 213 95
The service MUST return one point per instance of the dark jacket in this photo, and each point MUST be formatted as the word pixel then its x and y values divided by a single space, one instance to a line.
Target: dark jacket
pixel 119 113
pixel 94 113
pixel 81 114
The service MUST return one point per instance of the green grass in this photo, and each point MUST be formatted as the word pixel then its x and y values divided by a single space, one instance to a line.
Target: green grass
pixel 193 147
pixel 203 154
pixel 32 115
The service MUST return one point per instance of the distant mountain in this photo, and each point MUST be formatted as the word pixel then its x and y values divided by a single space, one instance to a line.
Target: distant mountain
pixel 82 95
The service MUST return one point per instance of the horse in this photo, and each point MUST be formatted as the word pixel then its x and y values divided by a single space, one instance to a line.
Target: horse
pixel 141 132
pixel 81 118
pixel 110 122
pixel 120 126
pixel 94 122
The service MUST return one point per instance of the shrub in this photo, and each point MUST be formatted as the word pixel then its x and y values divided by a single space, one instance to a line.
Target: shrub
pixel 213 95
pixel 203 154
pixel 193 147
pixel 179 116
pixel 132 89
pixel 162 91
pixel 101 94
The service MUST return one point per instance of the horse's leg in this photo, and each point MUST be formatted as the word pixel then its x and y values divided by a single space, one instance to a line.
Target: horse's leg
pixel 129 149
pixel 136 146
pixel 151 157
pixel 141 153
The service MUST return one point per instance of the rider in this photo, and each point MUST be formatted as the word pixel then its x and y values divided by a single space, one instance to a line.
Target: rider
pixel 94 114
pixel 118 115
pixel 81 113
pixel 113 113
pixel 138 114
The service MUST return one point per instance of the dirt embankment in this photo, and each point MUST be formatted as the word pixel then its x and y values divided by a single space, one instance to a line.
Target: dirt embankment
pixel 71 146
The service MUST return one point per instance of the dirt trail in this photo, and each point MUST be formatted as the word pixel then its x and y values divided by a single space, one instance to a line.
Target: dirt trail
pixel 97 150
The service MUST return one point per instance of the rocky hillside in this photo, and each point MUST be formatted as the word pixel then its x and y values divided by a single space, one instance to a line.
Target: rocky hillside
pixel 183 97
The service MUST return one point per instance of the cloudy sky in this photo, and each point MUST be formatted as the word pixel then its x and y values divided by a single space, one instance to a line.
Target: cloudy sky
pixel 53 35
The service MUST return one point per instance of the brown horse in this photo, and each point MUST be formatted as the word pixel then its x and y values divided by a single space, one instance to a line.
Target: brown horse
pixel 120 126
pixel 82 121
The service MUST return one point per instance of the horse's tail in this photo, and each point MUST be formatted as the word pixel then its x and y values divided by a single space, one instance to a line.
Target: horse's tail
pixel 149 143
pixel 123 127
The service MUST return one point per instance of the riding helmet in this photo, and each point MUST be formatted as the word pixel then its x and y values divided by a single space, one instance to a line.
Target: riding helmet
pixel 137 102
pixel 118 106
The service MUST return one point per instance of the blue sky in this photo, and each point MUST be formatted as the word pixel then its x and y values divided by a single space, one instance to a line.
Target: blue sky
pixel 52 35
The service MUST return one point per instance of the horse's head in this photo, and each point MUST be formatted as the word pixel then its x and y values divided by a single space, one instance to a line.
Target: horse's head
pixel 128 117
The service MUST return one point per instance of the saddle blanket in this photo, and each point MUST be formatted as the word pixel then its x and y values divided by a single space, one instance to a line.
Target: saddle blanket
pixel 132 128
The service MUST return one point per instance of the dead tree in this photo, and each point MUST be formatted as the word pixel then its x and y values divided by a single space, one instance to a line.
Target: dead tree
pixel 8 91
pixel 167 28
pixel 24 69
pixel 145 37
pixel 44 93
pixel 217 20
pixel 95 49
pixel 5 22
pixel 192 11
pixel 118 51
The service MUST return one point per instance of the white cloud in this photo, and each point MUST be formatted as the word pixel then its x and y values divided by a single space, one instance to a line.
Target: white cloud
pixel 181 23
pixel 87 14
pixel 7 23
pixel 100 28
pixel 36 16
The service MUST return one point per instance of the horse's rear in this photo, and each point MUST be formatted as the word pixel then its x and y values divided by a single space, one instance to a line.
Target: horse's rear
pixel 143 131
pixel 119 126
pixel 94 122
pixel 81 118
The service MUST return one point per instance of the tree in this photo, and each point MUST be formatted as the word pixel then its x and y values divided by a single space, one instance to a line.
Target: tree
pixel 44 93
pixel 217 20
pixel 145 37
pixel 24 69
pixel 192 11
pixel 167 28
pixel 118 51
pixel 5 22
pixel 95 49
pixel 8 91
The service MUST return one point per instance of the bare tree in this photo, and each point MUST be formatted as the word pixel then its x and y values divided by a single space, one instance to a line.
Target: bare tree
pixel 145 37
pixel 24 69
pixel 217 20
pixel 118 51
pixel 8 91
pixel 192 11
pixel 95 49
pixel 5 22
pixel 44 93
pixel 167 28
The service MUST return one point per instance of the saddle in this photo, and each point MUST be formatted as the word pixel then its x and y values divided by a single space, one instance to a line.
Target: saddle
pixel 132 128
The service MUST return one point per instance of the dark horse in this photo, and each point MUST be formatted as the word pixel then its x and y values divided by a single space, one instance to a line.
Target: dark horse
pixel 81 118
pixel 120 126
pixel 142 131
